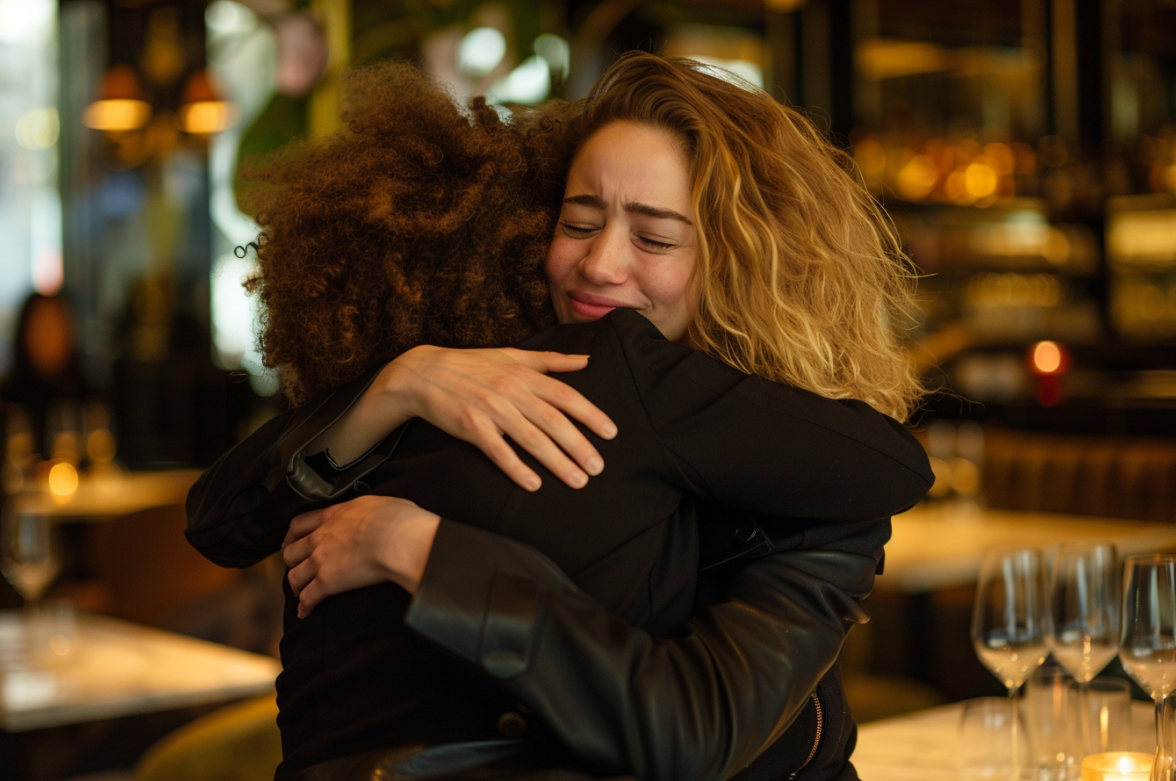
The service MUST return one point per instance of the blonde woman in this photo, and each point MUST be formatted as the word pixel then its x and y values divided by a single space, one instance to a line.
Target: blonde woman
pixel 727 281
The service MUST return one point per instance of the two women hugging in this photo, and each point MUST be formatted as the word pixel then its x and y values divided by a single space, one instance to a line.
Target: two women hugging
pixel 644 567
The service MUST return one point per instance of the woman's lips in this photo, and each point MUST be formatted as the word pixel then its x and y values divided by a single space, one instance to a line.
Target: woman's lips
pixel 590 306
pixel 591 311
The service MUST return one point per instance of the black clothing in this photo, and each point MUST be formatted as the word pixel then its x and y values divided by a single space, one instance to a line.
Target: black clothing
pixel 354 679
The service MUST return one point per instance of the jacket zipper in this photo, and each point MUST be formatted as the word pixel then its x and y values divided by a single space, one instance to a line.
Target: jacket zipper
pixel 817 739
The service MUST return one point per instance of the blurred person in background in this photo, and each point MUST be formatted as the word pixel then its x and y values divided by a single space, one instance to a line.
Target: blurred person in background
pixel 45 389
pixel 344 292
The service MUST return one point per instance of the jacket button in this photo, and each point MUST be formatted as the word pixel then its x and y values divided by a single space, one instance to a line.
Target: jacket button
pixel 512 725
pixel 745 533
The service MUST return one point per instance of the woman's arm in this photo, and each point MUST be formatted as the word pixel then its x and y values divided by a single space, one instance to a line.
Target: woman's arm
pixel 238 511
pixel 479 396
pixel 765 447
pixel 701 706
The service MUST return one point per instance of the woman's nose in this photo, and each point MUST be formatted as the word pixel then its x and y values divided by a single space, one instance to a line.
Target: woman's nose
pixel 605 262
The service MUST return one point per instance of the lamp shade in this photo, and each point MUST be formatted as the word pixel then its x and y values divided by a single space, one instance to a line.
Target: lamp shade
pixel 121 83
pixel 204 111
pixel 120 105
pixel 201 88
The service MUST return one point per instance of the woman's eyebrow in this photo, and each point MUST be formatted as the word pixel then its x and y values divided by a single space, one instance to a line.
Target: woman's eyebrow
pixel 596 202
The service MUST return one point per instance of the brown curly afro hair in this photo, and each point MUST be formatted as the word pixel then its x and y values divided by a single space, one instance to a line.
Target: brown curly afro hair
pixel 422 224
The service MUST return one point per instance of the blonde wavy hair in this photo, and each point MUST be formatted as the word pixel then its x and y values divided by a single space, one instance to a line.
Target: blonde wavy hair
pixel 802 277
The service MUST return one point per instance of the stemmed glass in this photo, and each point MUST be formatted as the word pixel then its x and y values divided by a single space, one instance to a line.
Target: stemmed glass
pixel 1148 647
pixel 1084 608
pixel 1010 621
pixel 30 555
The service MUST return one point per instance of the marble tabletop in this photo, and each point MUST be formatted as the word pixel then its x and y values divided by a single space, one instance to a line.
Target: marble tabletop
pixel 935 547
pixel 924 746
pixel 96 667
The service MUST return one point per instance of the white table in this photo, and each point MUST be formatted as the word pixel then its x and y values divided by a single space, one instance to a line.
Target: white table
pixel 924 746
pixel 936 547
pixel 120 669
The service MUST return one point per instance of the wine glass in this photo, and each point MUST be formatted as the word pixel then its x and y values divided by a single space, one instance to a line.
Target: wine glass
pixel 1084 608
pixel 30 555
pixel 1148 643
pixel 1010 622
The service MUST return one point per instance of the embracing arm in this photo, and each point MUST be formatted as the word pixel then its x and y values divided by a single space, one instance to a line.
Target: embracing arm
pixel 701 706
pixel 238 511
pixel 769 447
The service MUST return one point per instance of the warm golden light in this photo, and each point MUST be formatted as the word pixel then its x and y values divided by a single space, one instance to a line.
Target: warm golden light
pixel 785 6
pixel 1001 157
pixel 881 58
pixel 63 479
pixel 917 178
pixel 1143 237
pixel 100 445
pixel 1047 357
pixel 980 180
pixel 206 116
pixel 1117 766
pixel 117 115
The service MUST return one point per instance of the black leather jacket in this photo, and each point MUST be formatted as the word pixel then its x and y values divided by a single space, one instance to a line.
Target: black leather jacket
pixel 703 704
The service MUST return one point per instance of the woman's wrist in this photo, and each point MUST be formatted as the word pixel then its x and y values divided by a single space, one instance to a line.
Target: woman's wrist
pixel 392 391
pixel 387 403
pixel 406 551
pixel 381 409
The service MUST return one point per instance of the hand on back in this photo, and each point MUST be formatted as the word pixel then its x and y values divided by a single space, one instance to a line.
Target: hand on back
pixel 362 542
pixel 483 396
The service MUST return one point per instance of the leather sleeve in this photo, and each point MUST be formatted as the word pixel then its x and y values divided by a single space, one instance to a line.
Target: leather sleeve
pixel 701 706
pixel 769 447
pixel 239 510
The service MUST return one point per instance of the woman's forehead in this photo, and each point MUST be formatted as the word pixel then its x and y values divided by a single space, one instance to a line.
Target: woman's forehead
pixel 626 161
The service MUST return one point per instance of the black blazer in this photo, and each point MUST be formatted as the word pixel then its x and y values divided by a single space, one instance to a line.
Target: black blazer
pixel 690 427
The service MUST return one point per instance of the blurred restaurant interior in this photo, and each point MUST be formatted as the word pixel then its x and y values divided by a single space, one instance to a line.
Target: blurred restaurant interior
pixel 1025 149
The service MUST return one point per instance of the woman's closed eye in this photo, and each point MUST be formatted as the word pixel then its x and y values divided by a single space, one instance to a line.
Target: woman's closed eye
pixel 654 244
pixel 578 231
pixel 584 231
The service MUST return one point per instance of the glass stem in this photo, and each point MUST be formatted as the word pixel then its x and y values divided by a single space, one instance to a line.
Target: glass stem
pixel 1092 737
pixel 1162 770
pixel 1015 731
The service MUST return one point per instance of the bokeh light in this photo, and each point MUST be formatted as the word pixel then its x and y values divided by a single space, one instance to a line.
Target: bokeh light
pixel 63 479
pixel 480 51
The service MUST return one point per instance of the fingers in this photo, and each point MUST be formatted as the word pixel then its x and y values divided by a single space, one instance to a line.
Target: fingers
pixel 569 440
pixel 303 525
pixel 298 551
pixel 542 443
pixel 489 394
pixel 489 440
pixel 546 362
pixel 570 401
pixel 301 575
pixel 310 597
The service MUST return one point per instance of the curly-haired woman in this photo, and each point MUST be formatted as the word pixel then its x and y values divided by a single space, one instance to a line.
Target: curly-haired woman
pixel 762 276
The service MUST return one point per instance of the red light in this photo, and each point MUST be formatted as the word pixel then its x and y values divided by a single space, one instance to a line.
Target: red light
pixel 1049 391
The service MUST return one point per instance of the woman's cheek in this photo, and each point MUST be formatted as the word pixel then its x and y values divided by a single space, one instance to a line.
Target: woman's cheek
pixel 667 283
pixel 558 267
